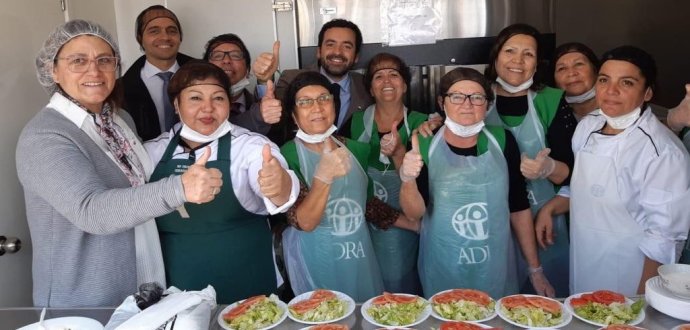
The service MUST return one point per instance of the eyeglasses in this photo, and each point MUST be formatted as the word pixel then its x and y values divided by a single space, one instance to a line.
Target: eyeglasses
pixel 81 64
pixel 459 98
pixel 234 55
pixel 306 103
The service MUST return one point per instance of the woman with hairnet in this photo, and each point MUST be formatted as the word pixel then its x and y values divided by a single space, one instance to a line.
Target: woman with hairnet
pixel 84 170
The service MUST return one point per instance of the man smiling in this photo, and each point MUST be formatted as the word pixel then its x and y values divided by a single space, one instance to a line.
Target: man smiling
pixel 159 34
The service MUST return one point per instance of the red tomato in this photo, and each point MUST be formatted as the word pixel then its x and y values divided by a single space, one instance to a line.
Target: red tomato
pixel 459 325
pixel 400 299
pixel 514 301
pixel 322 295
pixel 577 302
pixel 235 312
pixel 477 296
pixel 444 298
pixel 253 300
pixel 622 327
pixel 606 297
pixel 305 305
pixel 380 300
pixel 588 297
pixel 330 327
pixel 545 304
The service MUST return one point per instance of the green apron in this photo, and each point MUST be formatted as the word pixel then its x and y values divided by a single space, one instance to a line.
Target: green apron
pixel 221 243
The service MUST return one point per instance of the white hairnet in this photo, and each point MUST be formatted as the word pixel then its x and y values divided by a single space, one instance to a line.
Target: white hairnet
pixel 60 36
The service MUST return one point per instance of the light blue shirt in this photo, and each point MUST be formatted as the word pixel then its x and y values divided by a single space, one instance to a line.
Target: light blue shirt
pixel 154 84
pixel 344 95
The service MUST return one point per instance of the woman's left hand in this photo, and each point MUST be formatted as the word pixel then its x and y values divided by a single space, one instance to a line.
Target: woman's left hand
pixel 272 176
pixel 540 283
pixel 391 141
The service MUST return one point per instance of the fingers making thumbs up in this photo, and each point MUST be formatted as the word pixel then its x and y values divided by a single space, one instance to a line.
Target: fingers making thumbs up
pixel 333 163
pixel 679 116
pixel 538 168
pixel 201 184
pixel 391 141
pixel 412 163
pixel 270 108
pixel 272 176
pixel 266 64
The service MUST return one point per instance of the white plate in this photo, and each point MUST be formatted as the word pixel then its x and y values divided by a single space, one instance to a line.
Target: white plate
pixel 664 301
pixel 678 327
pixel 314 326
pixel 281 305
pixel 628 301
pixel 71 322
pixel 565 314
pixel 439 317
pixel 341 296
pixel 483 326
pixel 420 318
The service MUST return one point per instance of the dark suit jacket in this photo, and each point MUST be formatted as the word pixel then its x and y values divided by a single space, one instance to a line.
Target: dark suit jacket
pixel 138 102
pixel 251 118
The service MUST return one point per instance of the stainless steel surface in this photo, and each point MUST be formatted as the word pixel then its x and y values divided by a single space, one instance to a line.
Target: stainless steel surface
pixel 460 18
pixel 9 245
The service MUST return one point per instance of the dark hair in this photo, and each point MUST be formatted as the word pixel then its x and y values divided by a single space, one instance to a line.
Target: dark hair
pixel 228 38
pixel 505 34
pixel 464 73
pixel 342 23
pixel 304 79
pixel 398 64
pixel 143 19
pixel 196 70
pixel 638 57
pixel 576 47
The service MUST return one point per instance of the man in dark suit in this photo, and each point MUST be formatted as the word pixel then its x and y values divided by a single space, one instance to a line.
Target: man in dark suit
pixel 159 34
pixel 338 51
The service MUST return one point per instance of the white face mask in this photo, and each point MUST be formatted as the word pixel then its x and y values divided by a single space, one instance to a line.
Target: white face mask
pixel 239 86
pixel 189 134
pixel 462 130
pixel 514 89
pixel 623 121
pixel 582 98
pixel 315 138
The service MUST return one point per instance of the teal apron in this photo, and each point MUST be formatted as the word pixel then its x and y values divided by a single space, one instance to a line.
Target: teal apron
pixel 530 137
pixel 221 243
pixel 396 249
pixel 465 237
pixel 338 254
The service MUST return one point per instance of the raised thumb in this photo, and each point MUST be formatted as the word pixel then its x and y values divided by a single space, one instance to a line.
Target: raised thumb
pixel 204 157
pixel 276 50
pixel 394 128
pixel 415 142
pixel 543 153
pixel 270 90
pixel 266 153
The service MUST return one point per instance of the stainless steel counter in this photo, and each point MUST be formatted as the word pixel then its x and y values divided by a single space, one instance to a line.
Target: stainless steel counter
pixel 13 318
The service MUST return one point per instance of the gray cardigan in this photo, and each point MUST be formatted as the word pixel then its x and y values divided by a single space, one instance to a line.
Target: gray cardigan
pixel 81 212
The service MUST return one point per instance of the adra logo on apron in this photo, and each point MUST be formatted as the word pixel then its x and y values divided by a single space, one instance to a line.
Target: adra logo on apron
pixel 344 215
pixel 470 221
pixel 380 191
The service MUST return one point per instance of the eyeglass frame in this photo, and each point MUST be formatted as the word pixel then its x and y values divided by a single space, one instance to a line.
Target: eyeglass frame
pixel 239 55
pixel 71 64
pixel 322 99
pixel 466 97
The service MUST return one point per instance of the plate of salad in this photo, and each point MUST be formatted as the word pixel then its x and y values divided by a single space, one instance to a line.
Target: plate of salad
pixel 255 313
pixel 533 312
pixel 396 310
pixel 622 327
pixel 463 305
pixel 461 325
pixel 320 306
pixel 605 307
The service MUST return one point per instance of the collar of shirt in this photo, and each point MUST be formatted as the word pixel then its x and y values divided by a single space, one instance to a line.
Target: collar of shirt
pixel 67 108
pixel 344 83
pixel 149 70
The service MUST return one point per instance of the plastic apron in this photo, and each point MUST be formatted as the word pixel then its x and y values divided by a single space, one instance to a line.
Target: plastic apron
pixel 605 252
pixel 686 139
pixel 221 243
pixel 685 257
pixel 530 137
pixel 338 254
pixel 465 238
pixel 396 249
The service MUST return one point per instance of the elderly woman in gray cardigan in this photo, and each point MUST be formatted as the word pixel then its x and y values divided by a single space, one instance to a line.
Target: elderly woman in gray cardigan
pixel 83 171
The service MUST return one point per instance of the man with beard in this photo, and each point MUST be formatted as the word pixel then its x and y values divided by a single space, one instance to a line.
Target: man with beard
pixel 338 51
pixel 159 34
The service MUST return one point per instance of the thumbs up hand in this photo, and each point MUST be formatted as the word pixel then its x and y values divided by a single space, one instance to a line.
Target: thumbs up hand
pixel 266 64
pixel 391 141
pixel 412 163
pixel 538 168
pixel 271 175
pixel 270 108
pixel 201 184
pixel 333 164
pixel 679 116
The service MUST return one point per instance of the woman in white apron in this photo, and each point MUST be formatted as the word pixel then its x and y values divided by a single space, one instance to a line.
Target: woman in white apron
pixel 474 194
pixel 328 244
pixel 631 183
pixel 543 124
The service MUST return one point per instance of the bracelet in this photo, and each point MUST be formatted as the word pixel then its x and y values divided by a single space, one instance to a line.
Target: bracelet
pixel 531 270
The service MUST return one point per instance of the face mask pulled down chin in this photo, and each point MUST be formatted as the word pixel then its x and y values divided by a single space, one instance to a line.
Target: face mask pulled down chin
pixel 623 121
pixel 462 130
pixel 582 98
pixel 514 89
pixel 315 138
pixel 189 134
pixel 239 86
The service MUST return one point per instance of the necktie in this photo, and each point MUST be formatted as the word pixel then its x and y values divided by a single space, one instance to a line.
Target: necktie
pixel 167 105
pixel 335 89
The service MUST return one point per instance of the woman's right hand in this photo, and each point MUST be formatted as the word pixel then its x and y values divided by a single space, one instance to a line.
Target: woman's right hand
pixel 333 164
pixel 412 163
pixel 201 184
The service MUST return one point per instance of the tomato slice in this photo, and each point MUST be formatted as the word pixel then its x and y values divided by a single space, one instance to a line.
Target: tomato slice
pixel 305 305
pixel 380 300
pixel 545 304
pixel 400 299
pixel 253 300
pixel 588 297
pixel 577 302
pixel 514 301
pixel 445 298
pixel 235 312
pixel 477 296
pixel 622 327
pixel 460 325
pixel 322 295
pixel 330 327
pixel 607 297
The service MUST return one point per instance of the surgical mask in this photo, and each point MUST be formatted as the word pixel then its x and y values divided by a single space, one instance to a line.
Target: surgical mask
pixel 582 98
pixel 623 121
pixel 462 130
pixel 239 86
pixel 514 89
pixel 315 138
pixel 189 134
